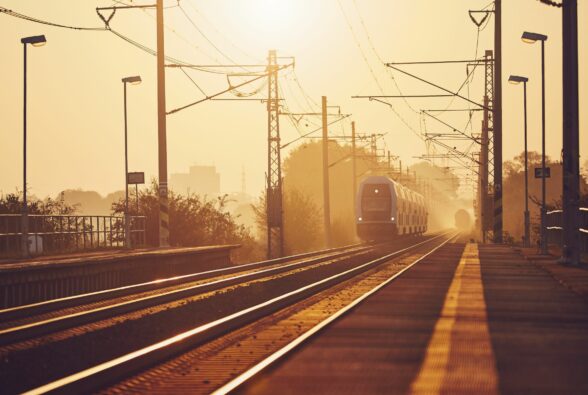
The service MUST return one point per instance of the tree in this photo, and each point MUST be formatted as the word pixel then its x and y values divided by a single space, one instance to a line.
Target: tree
pixel 303 173
pixel 194 221
pixel 514 192
pixel 12 204
pixel 10 226
pixel 302 226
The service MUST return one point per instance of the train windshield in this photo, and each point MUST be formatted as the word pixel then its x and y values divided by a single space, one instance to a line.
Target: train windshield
pixel 376 197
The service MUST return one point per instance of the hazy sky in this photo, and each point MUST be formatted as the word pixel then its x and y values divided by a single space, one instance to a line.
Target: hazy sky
pixel 75 92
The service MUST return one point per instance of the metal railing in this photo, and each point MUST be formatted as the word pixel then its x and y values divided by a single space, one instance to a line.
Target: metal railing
pixel 554 226
pixel 67 233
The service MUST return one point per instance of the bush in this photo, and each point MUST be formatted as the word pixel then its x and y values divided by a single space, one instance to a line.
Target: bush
pixel 193 221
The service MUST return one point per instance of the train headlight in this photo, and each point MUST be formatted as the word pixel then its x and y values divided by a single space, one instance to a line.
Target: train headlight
pixel 392 219
pixel 360 219
pixel 377 191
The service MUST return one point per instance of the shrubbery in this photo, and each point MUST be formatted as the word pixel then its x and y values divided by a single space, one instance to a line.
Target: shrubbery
pixel 194 221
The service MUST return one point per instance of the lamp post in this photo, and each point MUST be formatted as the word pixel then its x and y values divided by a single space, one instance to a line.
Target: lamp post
pixel 135 80
pixel 516 79
pixel 531 38
pixel 35 41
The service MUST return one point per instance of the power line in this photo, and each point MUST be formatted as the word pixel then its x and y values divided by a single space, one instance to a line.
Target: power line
pixel 6 11
pixel 373 74
pixel 201 14
pixel 193 82
pixel 206 37
pixel 247 94
pixel 107 28
pixel 135 6
pixel 142 47
pixel 371 43
pixel 169 28
pixel 312 104
pixel 291 118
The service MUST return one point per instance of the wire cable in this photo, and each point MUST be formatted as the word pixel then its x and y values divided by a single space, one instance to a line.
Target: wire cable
pixel 372 72
pixel 6 11
pixel 206 37
pixel 150 15
pixel 371 43
pixel 193 82
pixel 201 14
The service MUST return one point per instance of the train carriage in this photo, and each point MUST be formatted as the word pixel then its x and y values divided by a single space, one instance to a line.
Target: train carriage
pixel 386 209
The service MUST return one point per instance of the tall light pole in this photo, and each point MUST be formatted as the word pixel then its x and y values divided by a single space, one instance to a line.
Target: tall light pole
pixel 35 41
pixel 135 80
pixel 531 38
pixel 516 79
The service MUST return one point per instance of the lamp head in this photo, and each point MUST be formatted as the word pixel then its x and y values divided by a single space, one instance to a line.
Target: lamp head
pixel 35 41
pixel 531 38
pixel 517 79
pixel 134 80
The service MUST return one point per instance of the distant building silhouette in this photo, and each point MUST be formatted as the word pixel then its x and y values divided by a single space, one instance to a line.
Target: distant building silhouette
pixel 201 180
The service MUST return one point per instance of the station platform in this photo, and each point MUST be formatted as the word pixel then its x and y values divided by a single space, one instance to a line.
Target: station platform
pixel 494 320
pixel 32 280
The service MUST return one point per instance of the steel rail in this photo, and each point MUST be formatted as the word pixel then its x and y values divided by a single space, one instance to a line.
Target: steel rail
pixel 28 310
pixel 125 365
pixel 37 328
pixel 274 357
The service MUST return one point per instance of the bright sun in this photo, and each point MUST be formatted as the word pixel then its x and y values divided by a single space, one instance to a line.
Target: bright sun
pixel 272 16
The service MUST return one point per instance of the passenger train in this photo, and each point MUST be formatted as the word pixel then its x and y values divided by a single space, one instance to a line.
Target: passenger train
pixel 386 209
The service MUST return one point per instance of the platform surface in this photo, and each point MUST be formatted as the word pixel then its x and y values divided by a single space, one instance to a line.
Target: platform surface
pixel 489 322
pixel 90 257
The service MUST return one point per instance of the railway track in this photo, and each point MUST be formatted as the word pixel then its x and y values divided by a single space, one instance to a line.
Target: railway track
pixel 42 318
pixel 28 310
pixel 251 295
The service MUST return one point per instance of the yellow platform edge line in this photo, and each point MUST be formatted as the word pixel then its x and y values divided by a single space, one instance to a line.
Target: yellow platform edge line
pixel 464 362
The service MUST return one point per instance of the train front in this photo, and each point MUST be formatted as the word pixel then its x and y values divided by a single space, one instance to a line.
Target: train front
pixel 375 210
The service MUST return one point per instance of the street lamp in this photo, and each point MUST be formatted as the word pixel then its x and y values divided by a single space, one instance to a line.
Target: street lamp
pixel 532 38
pixel 35 41
pixel 515 80
pixel 134 80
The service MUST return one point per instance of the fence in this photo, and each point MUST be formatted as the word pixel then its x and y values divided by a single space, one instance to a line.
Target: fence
pixel 554 226
pixel 67 233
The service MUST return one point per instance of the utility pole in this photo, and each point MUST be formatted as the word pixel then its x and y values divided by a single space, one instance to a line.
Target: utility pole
pixel 275 231
pixel 353 163
pixel 161 131
pixel 326 197
pixel 571 140
pixel 487 126
pixel 483 176
pixel 497 109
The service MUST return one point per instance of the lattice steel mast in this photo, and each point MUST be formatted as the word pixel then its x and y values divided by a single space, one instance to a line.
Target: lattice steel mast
pixel 275 230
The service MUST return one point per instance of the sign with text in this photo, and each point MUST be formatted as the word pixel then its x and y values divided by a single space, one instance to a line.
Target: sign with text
pixel 539 173
pixel 136 178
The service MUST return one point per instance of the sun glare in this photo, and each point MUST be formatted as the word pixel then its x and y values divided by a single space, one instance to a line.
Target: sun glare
pixel 271 16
